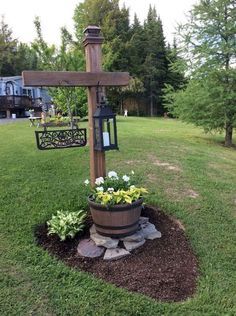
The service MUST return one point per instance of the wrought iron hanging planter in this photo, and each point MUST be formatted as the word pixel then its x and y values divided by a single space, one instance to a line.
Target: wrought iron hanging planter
pixel 58 139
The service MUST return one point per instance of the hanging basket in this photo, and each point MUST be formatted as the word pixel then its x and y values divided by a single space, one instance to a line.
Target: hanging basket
pixel 58 139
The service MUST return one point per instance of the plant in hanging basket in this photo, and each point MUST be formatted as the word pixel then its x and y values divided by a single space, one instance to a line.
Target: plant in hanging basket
pixel 115 204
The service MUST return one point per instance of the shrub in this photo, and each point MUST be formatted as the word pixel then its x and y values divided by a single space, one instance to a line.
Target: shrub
pixel 66 224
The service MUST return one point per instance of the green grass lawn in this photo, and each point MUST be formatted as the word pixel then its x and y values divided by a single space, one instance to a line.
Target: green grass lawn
pixel 188 174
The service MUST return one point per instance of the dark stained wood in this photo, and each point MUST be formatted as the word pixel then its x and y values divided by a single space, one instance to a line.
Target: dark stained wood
pixel 93 55
pixel 74 79
pixel 117 221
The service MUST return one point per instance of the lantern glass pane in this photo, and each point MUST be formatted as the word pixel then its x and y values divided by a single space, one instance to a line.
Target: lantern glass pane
pixel 105 133
pixel 111 128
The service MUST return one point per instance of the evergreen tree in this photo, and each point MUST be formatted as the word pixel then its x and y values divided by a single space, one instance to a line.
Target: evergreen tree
pixel 114 23
pixel 136 48
pixel 8 49
pixel 175 74
pixel 155 66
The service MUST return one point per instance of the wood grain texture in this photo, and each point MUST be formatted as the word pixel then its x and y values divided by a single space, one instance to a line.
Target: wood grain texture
pixel 93 54
pixel 74 79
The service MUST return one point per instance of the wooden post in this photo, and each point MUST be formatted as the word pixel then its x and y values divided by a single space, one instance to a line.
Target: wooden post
pixel 93 53
pixel 91 78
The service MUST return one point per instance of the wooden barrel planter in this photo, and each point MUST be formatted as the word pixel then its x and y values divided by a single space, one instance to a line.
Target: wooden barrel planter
pixel 118 220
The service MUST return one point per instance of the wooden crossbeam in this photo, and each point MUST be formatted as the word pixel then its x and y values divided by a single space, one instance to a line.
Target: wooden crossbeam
pixel 74 79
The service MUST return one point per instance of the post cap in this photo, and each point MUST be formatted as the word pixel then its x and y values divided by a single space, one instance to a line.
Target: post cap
pixel 92 30
pixel 92 35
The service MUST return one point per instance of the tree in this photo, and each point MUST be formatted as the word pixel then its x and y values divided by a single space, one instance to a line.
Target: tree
pixel 175 73
pixel 25 59
pixel 8 48
pixel 154 69
pixel 68 57
pixel 114 23
pixel 136 48
pixel 208 45
pixel 14 56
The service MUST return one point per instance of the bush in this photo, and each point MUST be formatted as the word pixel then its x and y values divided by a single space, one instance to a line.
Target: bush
pixel 66 224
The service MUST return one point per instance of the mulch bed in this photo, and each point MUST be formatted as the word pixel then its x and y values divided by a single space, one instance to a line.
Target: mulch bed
pixel 165 269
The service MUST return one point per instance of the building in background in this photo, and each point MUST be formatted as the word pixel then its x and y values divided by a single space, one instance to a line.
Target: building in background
pixel 16 100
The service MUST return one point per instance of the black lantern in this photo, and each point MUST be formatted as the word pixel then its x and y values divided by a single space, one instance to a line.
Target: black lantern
pixel 105 133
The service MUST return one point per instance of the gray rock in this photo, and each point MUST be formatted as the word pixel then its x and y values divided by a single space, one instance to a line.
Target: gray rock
pixel 103 241
pixel 138 236
pixel 131 245
pixel 114 254
pixel 148 229
pixel 87 248
pixel 143 220
pixel 155 235
pixel 92 230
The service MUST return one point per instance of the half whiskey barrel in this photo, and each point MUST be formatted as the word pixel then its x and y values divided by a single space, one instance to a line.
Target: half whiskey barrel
pixel 118 220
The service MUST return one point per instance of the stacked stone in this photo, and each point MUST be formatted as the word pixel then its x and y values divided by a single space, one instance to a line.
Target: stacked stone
pixel 98 245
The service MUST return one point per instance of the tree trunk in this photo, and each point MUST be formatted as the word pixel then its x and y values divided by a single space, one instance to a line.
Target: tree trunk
pixel 228 134
pixel 121 107
pixel 151 110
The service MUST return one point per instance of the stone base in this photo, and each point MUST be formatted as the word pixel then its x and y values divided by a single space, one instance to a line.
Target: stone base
pixel 98 244
pixel 88 248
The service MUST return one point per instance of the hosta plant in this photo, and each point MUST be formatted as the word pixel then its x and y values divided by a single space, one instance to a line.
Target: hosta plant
pixel 66 224
pixel 115 189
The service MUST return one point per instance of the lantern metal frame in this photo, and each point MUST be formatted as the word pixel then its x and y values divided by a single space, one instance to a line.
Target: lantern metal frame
pixel 104 112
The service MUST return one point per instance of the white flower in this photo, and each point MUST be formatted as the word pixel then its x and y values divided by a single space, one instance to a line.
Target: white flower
pixel 99 181
pixel 112 174
pixel 99 189
pixel 110 190
pixel 132 171
pixel 126 178
pixel 86 182
pixel 132 187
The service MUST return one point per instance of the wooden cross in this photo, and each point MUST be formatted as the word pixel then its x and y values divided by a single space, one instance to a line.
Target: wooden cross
pixel 90 79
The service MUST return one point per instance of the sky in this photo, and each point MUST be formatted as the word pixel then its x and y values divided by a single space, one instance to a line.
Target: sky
pixel 20 14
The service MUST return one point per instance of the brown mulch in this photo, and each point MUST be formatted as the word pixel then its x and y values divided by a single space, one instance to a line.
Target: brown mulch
pixel 165 269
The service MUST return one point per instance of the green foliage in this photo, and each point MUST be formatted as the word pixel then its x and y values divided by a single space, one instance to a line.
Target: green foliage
pixel 155 64
pixel 8 47
pixel 68 57
pixel 14 56
pixel 202 102
pixel 120 196
pixel 207 43
pixel 114 189
pixel 138 49
pixel 70 100
pixel 176 68
pixel 25 59
pixel 66 224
